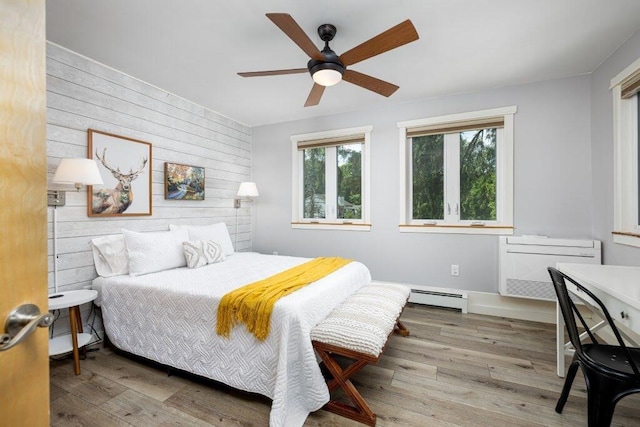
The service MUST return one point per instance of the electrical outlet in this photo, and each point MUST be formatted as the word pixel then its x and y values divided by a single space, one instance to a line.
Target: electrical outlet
pixel 455 270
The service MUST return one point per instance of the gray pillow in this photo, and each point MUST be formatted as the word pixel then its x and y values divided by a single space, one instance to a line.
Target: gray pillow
pixel 202 252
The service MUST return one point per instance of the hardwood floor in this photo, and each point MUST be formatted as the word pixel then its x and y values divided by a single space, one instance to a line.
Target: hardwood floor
pixel 453 370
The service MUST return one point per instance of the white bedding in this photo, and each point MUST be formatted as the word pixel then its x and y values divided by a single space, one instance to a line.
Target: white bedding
pixel 170 317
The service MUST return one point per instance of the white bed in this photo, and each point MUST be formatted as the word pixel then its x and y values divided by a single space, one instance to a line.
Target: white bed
pixel 170 317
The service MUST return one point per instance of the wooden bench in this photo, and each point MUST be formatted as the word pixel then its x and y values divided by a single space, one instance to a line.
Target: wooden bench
pixel 358 330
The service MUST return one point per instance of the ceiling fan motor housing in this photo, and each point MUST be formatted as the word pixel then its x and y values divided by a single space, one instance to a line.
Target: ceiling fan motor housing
pixel 326 32
pixel 331 61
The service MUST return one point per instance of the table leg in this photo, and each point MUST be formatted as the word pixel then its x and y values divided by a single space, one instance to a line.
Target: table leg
pixel 74 317
pixel 79 322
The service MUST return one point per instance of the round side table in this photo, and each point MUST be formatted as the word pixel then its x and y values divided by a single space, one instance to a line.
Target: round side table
pixel 77 338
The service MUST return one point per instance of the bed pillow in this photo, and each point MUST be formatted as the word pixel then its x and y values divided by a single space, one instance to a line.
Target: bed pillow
pixel 202 252
pixel 110 255
pixel 216 232
pixel 155 251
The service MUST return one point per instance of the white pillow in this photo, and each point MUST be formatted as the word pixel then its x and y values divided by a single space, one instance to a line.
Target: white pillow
pixel 216 232
pixel 156 251
pixel 202 252
pixel 110 255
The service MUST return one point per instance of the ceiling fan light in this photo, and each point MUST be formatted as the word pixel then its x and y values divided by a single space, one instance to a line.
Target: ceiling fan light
pixel 327 77
pixel 326 73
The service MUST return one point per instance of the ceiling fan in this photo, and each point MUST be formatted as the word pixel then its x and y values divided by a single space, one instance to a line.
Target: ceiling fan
pixel 327 68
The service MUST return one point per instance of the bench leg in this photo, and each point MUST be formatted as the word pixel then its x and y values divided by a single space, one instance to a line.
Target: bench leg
pixel 360 411
pixel 401 329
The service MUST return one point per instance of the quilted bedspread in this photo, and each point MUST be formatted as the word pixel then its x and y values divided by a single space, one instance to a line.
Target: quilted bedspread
pixel 170 317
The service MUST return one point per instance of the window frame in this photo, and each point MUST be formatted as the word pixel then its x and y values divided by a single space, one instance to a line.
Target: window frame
pixel 626 218
pixel 504 179
pixel 330 222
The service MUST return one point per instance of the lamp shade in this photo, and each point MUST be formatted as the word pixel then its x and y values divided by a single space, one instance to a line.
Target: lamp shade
pixel 77 171
pixel 327 76
pixel 248 189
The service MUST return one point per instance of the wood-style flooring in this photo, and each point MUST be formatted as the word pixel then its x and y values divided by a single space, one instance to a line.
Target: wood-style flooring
pixel 454 370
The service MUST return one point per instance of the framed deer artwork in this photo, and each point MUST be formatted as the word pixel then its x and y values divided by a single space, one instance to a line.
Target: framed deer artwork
pixel 125 166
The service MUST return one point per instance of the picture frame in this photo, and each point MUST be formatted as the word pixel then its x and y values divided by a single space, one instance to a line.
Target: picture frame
pixel 125 165
pixel 183 182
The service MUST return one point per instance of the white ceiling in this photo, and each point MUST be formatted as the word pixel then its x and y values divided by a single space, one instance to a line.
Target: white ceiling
pixel 194 48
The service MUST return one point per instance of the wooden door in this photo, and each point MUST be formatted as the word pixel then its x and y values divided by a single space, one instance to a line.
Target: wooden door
pixel 24 369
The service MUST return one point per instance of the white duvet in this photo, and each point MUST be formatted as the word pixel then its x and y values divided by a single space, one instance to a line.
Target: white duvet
pixel 170 317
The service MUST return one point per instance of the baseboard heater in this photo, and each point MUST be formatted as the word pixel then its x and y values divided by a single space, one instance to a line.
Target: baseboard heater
pixel 437 297
pixel 449 298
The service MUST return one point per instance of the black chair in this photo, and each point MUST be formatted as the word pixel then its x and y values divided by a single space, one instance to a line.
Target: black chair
pixel 610 371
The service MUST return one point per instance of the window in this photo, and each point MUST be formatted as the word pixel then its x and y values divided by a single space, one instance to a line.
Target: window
pixel 457 173
pixel 331 179
pixel 626 155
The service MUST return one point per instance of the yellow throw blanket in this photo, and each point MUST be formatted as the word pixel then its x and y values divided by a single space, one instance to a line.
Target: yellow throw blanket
pixel 252 304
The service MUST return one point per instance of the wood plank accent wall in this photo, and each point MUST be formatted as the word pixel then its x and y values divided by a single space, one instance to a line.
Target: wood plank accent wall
pixel 83 94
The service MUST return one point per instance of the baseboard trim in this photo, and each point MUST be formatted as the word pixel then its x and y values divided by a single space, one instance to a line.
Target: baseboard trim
pixel 491 304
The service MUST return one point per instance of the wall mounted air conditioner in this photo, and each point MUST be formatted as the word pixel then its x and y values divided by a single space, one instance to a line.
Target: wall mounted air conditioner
pixel 523 263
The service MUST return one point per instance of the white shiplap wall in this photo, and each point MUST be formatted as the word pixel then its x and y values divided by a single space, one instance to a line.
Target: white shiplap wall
pixel 83 94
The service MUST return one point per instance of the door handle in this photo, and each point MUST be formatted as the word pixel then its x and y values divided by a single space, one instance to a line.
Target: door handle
pixel 21 322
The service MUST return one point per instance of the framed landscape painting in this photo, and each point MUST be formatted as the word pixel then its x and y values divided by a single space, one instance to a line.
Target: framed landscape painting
pixel 125 166
pixel 183 182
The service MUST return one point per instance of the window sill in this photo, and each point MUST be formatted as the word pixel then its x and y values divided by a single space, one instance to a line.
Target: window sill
pixel 501 230
pixel 626 238
pixel 330 226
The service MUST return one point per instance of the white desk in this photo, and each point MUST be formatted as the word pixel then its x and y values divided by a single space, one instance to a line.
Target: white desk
pixel 618 287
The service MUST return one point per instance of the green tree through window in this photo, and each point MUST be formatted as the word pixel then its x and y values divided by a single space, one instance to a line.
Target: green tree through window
pixel 314 183
pixel 478 175
pixel 477 185
pixel 428 177
pixel 349 181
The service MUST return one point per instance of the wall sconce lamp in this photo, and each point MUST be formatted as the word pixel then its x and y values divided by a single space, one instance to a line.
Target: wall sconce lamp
pixel 78 172
pixel 247 191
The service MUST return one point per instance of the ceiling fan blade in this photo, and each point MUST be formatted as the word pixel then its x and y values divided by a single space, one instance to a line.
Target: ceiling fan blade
pixel 274 72
pixel 371 83
pixel 394 37
pixel 290 27
pixel 315 95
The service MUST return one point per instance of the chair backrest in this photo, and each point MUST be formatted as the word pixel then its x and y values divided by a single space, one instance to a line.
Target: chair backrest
pixel 570 312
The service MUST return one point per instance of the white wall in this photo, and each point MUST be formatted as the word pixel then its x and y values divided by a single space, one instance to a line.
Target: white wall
pixel 83 94
pixel 552 185
pixel 602 149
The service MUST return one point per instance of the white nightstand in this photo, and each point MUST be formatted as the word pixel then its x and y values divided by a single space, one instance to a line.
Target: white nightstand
pixel 76 339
